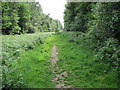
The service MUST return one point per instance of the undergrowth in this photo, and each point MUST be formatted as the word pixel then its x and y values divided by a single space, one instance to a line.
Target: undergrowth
pixel 82 65
pixel 31 68
pixel 86 66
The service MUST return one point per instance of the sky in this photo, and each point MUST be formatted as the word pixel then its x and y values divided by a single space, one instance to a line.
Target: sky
pixel 54 7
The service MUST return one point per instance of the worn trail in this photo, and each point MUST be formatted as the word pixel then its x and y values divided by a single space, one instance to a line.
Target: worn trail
pixel 60 74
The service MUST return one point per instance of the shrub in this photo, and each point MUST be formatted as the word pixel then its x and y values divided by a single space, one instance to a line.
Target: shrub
pixel 12 49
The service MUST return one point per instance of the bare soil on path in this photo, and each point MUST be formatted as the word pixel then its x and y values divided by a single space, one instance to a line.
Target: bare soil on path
pixel 60 74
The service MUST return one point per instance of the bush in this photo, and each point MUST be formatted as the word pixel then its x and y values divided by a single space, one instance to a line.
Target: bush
pixel 13 48
pixel 109 54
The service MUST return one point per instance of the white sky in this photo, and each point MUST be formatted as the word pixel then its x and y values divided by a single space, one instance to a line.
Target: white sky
pixel 54 7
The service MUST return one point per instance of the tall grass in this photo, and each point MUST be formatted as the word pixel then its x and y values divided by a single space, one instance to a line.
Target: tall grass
pixel 30 66
pixel 21 53
pixel 79 60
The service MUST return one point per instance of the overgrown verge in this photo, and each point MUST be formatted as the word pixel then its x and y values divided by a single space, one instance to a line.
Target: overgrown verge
pixel 99 24
pixel 13 48
pixel 87 67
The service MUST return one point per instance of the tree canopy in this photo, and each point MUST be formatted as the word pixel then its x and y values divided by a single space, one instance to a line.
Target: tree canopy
pixel 26 17
pixel 99 19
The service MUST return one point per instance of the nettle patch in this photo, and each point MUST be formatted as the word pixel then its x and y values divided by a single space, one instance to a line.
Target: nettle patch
pixel 13 48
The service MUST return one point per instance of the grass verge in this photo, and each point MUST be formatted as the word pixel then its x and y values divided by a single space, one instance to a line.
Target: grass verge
pixel 79 61
pixel 32 70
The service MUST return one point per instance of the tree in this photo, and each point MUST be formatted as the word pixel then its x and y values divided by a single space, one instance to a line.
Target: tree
pixel 105 23
pixel 24 14
pixel 10 18
pixel 25 17
pixel 77 16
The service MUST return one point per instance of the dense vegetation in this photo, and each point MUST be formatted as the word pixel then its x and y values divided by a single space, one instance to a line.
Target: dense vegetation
pixel 31 69
pixel 81 64
pixel 22 18
pixel 88 48
pixel 13 48
pixel 100 27
pixel 26 17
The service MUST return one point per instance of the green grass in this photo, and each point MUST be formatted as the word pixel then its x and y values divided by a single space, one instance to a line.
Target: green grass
pixel 32 70
pixel 31 67
pixel 14 46
pixel 79 61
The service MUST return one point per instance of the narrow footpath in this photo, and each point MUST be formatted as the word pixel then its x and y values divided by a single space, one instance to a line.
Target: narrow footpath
pixel 58 79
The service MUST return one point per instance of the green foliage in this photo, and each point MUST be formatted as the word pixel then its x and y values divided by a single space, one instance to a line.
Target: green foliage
pixel 13 48
pixel 24 14
pixel 26 17
pixel 10 18
pixel 105 21
pixel 76 16
pixel 85 69
pixel 91 57
pixel 32 69
pixel 109 54
pixel 36 17
pixel 69 16
pixel 99 20
pixel 100 24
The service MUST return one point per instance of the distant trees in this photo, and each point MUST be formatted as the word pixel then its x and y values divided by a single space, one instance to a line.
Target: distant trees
pixel 25 17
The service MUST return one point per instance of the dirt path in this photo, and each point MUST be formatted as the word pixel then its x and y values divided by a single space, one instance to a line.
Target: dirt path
pixel 58 79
